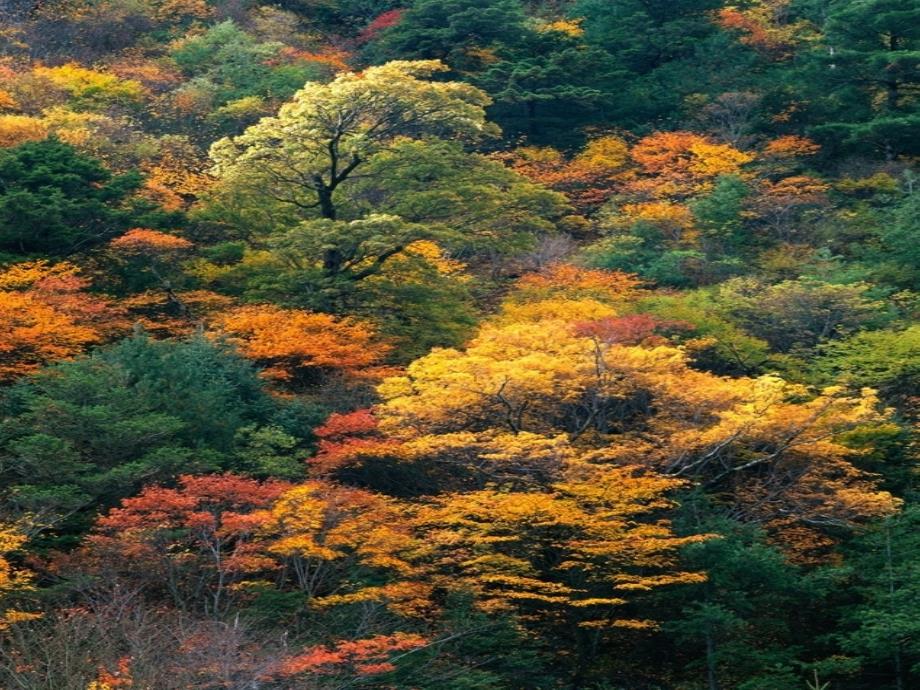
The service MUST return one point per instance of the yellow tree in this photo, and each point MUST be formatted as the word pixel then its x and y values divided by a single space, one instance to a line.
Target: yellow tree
pixel 327 534
pixel 12 580
pixel 615 390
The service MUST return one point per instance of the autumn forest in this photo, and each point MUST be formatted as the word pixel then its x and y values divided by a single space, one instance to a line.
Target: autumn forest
pixel 459 344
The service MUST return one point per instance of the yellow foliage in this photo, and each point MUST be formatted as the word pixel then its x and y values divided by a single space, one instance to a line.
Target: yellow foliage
pixel 12 580
pixel 18 129
pixel 675 219
pixel 319 527
pixel 559 309
pixel 608 152
pixel 434 256
pixel 569 27
pixel 91 86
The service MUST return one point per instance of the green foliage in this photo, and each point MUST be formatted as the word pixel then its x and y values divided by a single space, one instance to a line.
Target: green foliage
pixel 866 73
pixel 747 622
pixel 452 31
pixel 414 194
pixel 719 217
pixel 233 65
pixel 800 314
pixel 721 345
pixel 882 630
pixel 85 433
pixel 887 360
pixel 57 201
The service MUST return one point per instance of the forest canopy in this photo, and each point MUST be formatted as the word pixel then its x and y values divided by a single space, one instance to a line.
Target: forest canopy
pixel 459 344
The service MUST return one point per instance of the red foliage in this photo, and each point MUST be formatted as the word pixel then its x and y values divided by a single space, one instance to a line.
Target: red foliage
pixel 344 438
pixel 338 426
pixel 205 531
pixel 634 329
pixel 382 22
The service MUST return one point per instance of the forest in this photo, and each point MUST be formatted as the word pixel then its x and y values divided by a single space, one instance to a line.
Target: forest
pixel 459 344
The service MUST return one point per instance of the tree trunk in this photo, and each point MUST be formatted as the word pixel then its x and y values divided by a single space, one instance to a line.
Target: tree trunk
pixel 326 207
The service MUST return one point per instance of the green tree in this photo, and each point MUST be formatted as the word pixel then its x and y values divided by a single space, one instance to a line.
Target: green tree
pixel 797 315
pixel 56 201
pixel 233 65
pixel 887 360
pixel 455 31
pixel 85 433
pixel 351 172
pixel 883 628
pixel 719 217
pixel 867 75
pixel 746 623
pixel 322 138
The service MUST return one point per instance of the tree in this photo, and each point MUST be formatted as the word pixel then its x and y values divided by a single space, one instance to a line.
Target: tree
pixel 150 258
pixel 799 314
pixel 887 360
pixel 346 546
pixel 294 343
pixel 86 433
pixel 47 315
pixel 57 201
pixel 351 173
pixel 880 629
pixel 868 64
pixel 233 65
pixel 13 581
pixel 553 85
pixel 195 541
pixel 328 132
pixel 778 449
pixel 744 626
pixel 350 660
pixel 455 31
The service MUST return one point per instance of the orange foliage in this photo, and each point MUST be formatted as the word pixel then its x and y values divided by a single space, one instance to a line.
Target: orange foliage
pixel 145 241
pixel 7 101
pixel 763 27
pixel 174 314
pixel 790 146
pixel 380 23
pixel 120 678
pixel 176 177
pixel 46 315
pixel 367 657
pixel 681 163
pixel 588 179
pixel 290 341
pixel 12 579
pixel 345 438
pixel 334 59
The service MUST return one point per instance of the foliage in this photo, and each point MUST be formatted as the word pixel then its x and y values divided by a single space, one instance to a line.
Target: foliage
pixel 57 201
pixel 477 344
pixel 86 433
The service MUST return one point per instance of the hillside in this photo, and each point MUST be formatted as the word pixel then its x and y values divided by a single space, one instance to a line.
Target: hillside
pixel 459 344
